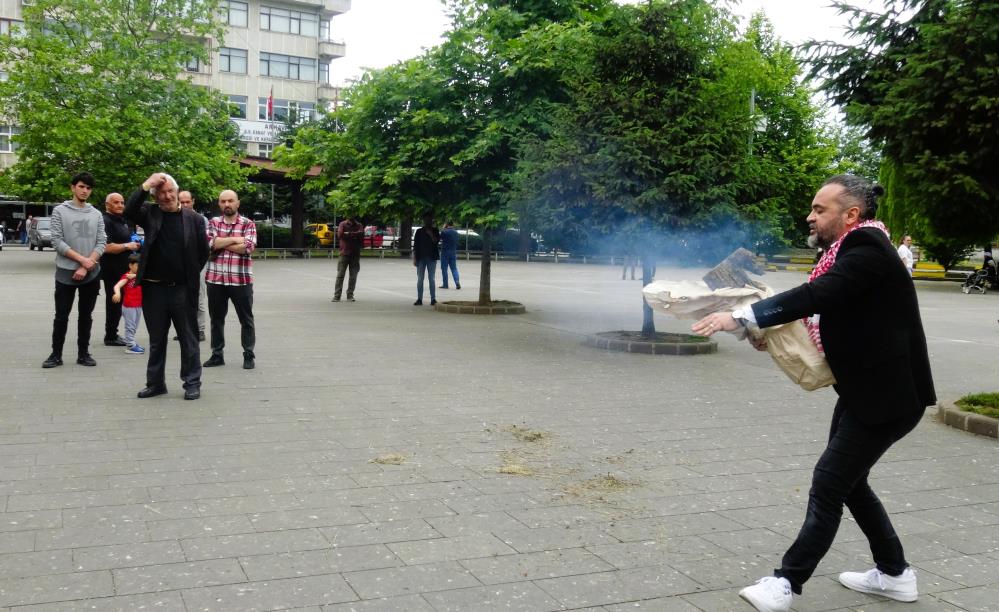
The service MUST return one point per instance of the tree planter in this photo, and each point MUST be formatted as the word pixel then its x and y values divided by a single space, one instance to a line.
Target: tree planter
pixel 950 414
pixel 663 344
pixel 495 307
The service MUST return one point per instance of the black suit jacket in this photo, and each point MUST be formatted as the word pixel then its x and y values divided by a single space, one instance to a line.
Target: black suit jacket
pixel 870 327
pixel 150 217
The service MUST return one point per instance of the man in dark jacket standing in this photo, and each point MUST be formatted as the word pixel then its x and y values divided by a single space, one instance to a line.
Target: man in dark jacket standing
pixel 174 251
pixel 425 256
pixel 861 311
pixel 350 235
pixel 114 263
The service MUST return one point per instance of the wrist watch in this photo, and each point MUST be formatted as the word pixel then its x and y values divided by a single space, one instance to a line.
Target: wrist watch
pixel 739 314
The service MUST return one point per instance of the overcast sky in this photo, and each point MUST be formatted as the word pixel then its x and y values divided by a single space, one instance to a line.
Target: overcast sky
pixel 379 33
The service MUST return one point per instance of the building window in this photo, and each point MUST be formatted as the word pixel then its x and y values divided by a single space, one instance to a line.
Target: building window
pixel 324 73
pixel 235 13
pixel 288 67
pixel 6 144
pixel 265 150
pixel 324 30
pixel 237 106
pixel 284 110
pixel 289 22
pixel 193 65
pixel 7 26
pixel 232 60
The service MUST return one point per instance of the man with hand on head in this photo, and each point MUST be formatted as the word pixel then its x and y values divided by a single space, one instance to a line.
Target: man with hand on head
pixel 114 263
pixel 232 238
pixel 173 252
pixel 860 308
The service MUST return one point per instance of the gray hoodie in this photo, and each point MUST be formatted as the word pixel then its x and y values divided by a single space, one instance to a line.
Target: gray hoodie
pixel 80 229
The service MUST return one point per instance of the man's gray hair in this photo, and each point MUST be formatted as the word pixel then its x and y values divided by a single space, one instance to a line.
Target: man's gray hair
pixel 169 179
pixel 863 192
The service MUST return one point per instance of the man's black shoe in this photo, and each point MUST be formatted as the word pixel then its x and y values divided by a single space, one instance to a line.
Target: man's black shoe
pixel 86 360
pixel 152 391
pixel 248 363
pixel 418 303
pixel 53 361
pixel 192 394
pixel 433 302
pixel 116 341
pixel 457 286
pixel 201 336
pixel 214 360
pixel 442 287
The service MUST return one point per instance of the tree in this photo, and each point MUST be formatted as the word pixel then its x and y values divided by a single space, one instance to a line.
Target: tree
pixel 922 81
pixel 94 86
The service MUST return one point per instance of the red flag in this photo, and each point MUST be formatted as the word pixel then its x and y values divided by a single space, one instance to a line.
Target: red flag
pixel 270 105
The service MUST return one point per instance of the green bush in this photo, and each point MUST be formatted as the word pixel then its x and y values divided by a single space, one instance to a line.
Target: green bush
pixel 981 403
pixel 282 237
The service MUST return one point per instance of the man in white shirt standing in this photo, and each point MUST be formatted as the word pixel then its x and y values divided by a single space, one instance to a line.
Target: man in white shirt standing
pixel 905 252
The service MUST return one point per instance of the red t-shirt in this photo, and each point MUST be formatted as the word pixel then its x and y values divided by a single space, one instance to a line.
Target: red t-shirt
pixel 131 294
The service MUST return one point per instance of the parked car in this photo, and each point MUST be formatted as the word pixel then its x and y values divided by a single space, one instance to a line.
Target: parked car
pixel 379 237
pixel 40 233
pixel 322 233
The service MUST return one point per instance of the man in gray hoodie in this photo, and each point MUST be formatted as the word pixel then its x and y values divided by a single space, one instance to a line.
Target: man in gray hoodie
pixel 79 240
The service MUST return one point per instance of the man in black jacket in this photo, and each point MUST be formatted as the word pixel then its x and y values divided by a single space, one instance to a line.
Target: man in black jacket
pixel 174 251
pixel 114 263
pixel 861 310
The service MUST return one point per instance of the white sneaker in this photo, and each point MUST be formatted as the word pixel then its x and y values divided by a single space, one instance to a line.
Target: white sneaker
pixel 876 582
pixel 770 594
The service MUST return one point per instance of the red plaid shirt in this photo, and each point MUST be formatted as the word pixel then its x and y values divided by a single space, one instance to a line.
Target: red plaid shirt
pixel 224 266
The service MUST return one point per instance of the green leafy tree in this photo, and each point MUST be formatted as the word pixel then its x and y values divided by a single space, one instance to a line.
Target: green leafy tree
pixel 922 80
pixel 94 86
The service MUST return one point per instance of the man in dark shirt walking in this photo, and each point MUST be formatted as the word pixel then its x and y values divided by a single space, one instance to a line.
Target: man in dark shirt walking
pixel 173 253
pixel 114 263
pixel 349 234
pixel 425 256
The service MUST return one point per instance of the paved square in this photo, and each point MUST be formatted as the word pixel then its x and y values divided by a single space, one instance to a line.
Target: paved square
pixel 655 482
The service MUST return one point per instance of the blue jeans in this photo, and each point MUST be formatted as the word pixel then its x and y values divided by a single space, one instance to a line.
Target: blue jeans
pixel 840 478
pixel 449 260
pixel 430 267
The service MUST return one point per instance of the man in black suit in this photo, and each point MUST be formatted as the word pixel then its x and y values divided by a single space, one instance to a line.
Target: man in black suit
pixel 862 311
pixel 173 253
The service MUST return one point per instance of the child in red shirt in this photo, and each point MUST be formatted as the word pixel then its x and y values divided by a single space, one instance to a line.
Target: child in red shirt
pixel 131 306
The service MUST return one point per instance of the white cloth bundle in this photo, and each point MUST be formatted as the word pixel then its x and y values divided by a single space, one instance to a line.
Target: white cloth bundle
pixel 788 344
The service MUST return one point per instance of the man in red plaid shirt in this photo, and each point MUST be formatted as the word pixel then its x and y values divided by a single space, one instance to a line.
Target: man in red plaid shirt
pixel 229 276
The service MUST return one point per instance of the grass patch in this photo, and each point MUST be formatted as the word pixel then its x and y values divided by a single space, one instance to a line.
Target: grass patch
pixel 389 459
pixel 528 435
pixel 986 404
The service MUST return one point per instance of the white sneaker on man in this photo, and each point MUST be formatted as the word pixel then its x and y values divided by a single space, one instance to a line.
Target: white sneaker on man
pixel 876 582
pixel 770 594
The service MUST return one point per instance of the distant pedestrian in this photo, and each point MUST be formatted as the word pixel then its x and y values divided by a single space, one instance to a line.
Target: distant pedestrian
pixel 114 263
pixel 129 295
pixel 905 253
pixel 350 235
pixel 232 238
pixel 24 229
pixel 449 255
pixel 425 256
pixel 187 201
pixel 174 250
pixel 78 239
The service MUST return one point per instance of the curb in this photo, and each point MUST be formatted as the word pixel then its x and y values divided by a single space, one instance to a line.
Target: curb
pixel 507 309
pixel 949 414
pixel 650 348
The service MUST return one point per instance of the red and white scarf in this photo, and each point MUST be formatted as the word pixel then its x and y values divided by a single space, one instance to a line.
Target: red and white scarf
pixel 826 262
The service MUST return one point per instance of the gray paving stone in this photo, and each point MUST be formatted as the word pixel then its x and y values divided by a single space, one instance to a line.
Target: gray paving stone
pixel 127 555
pixel 313 562
pixel 55 587
pixel 78 499
pixel 270 594
pixel 175 576
pixel 659 604
pixel 15 542
pixel 406 603
pixel 311 517
pixel 617 587
pixel 27 564
pixel 388 582
pixel 517 596
pixel 525 539
pixel 380 533
pixel 450 549
pixel 976 599
pixel 535 566
pixel 241 545
pixel 160 602
pixel 652 552
pixel 176 529
pixel 24 521
pixel 970 571
pixel 77 537
pixel 406 510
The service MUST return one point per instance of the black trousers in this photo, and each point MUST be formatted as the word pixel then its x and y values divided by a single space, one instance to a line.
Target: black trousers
pixel 343 264
pixel 64 295
pixel 112 311
pixel 218 307
pixel 161 306
pixel 840 477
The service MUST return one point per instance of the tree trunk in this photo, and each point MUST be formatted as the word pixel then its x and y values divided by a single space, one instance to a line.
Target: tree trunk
pixel 297 216
pixel 524 247
pixel 406 237
pixel 485 275
pixel 648 322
